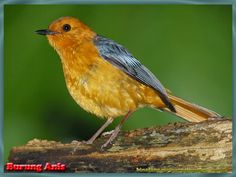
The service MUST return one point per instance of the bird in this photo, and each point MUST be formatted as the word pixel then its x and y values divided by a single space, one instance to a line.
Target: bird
pixel 105 79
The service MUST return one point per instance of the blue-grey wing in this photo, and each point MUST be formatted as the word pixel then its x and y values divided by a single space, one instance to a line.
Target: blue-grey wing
pixel 118 56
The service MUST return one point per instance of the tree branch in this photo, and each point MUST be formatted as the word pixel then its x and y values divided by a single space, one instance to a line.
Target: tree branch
pixel 178 147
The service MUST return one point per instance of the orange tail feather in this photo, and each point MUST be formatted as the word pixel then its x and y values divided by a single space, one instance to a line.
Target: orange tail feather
pixel 189 111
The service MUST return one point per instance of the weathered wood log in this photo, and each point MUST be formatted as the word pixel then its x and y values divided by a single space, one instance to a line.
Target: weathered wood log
pixel 178 147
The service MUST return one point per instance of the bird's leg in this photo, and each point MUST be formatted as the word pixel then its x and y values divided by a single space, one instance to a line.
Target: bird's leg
pixel 91 140
pixel 117 129
pixel 108 122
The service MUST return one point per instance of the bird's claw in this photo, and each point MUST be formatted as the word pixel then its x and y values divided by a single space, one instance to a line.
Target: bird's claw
pixel 105 145
pixel 108 133
pixel 109 141
pixel 76 143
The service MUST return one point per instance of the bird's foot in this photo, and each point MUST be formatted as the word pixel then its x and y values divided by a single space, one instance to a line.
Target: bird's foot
pixel 76 145
pixel 114 134
pixel 107 133
pixel 104 146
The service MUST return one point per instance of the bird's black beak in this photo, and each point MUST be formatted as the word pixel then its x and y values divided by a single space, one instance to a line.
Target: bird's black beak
pixel 45 32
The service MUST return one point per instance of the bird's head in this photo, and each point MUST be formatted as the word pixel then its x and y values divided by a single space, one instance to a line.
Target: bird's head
pixel 65 32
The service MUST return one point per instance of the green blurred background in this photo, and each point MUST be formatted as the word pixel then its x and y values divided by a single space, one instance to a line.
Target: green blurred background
pixel 188 47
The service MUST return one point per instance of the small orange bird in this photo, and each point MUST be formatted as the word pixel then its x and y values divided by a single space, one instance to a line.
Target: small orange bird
pixel 108 81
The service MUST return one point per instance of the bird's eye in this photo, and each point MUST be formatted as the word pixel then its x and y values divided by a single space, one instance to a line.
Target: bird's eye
pixel 66 27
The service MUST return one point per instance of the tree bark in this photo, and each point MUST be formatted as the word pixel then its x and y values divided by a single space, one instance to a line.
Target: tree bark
pixel 178 147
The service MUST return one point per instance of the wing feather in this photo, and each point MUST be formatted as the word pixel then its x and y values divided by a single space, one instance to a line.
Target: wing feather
pixel 119 57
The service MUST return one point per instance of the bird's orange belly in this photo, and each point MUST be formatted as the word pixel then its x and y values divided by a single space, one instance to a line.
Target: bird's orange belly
pixel 108 92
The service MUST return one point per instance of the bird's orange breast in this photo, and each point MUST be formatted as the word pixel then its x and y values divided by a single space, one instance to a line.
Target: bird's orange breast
pixel 99 87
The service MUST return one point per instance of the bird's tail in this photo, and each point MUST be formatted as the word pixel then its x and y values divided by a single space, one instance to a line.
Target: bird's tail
pixel 189 111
